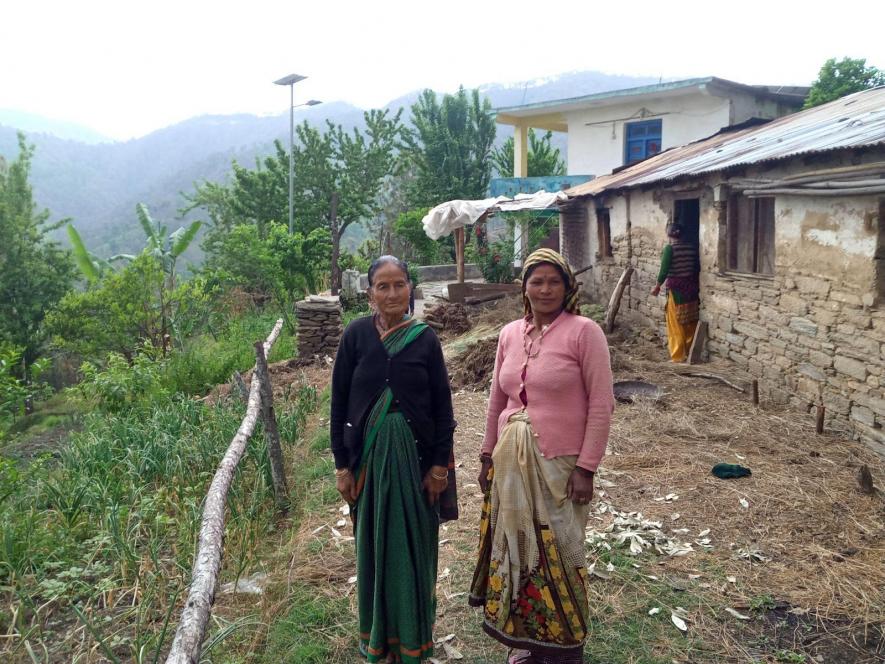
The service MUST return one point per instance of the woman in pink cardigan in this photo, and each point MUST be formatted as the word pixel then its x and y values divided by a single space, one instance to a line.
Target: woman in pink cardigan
pixel 547 427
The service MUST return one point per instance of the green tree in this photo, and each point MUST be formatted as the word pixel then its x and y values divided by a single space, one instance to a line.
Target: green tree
pixel 450 147
pixel 838 78
pixel 165 247
pixel 350 166
pixel 116 315
pixel 217 201
pixel 91 266
pixel 543 158
pixel 35 272
pixel 415 246
pixel 283 265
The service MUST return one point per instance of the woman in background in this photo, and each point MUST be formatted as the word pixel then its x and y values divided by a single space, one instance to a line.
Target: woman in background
pixel 680 267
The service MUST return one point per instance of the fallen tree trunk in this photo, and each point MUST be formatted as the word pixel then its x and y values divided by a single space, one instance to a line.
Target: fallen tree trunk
pixel 207 561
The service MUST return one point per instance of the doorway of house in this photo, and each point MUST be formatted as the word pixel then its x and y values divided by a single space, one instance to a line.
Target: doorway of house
pixel 687 215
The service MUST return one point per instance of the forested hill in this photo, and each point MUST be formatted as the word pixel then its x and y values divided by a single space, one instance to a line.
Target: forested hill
pixel 98 184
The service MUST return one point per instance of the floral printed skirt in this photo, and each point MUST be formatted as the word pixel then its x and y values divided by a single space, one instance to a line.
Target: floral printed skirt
pixel 531 576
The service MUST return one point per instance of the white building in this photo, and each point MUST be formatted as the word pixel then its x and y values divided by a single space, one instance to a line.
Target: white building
pixel 611 129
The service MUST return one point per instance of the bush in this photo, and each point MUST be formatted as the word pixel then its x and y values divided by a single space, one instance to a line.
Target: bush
pixel 16 393
pixel 495 261
pixel 209 360
pixel 122 385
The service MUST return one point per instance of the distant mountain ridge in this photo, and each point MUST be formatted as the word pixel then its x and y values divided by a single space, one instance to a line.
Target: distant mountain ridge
pixel 97 184
pixel 38 124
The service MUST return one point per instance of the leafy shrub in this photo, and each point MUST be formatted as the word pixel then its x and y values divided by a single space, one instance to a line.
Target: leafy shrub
pixel 15 393
pixel 122 385
pixel 495 261
pixel 417 248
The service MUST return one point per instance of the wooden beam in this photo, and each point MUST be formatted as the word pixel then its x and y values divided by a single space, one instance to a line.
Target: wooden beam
pixel 615 302
pixel 207 560
pixel 459 254
pixel 698 343
pixel 271 431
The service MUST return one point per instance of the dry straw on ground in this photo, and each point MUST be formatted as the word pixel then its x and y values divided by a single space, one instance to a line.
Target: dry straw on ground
pixel 796 541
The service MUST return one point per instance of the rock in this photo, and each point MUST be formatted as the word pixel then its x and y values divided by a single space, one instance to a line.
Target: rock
pixel 804 326
pixel 850 367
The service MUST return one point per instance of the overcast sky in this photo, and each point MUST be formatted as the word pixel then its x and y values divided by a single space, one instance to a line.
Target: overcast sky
pixel 125 68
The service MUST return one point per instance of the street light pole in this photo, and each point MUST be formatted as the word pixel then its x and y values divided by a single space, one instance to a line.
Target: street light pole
pixel 291 157
pixel 291 80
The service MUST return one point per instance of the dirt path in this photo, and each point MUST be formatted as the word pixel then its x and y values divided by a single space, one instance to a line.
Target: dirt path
pixel 795 551
pixel 787 565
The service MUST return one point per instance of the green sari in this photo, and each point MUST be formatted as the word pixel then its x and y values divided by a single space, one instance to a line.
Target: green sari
pixel 397 533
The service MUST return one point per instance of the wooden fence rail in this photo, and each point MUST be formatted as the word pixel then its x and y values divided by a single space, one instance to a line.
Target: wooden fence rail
pixel 207 561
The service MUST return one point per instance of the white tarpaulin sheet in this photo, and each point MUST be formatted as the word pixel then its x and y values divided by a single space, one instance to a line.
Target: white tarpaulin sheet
pixel 446 217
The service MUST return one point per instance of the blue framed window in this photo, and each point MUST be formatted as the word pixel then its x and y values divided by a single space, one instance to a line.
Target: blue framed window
pixel 642 140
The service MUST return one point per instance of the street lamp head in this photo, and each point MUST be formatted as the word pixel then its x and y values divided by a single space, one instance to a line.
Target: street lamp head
pixel 312 102
pixel 291 79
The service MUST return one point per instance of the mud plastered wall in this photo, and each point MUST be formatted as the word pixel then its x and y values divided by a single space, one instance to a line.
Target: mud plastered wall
pixel 812 333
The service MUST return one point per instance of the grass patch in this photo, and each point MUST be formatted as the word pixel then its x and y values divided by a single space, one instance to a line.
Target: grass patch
pixel 209 359
pixel 623 632
pixel 306 634
pixel 108 529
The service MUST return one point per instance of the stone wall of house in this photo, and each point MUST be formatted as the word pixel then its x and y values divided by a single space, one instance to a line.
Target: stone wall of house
pixel 813 333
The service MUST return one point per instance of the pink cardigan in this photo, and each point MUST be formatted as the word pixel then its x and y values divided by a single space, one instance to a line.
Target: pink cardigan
pixel 568 388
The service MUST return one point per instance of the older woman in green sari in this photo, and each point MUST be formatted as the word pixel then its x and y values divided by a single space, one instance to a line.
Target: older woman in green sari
pixel 391 434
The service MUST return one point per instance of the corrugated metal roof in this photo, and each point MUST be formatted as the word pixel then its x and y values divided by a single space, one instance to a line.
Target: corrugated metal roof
pixel 854 121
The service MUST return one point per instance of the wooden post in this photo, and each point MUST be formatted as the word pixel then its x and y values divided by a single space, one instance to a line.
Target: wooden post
pixel 821 411
pixel 459 254
pixel 755 392
pixel 698 342
pixel 271 431
pixel 207 559
pixel 615 302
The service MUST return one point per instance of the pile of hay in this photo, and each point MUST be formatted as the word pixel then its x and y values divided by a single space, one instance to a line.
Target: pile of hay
pixel 472 369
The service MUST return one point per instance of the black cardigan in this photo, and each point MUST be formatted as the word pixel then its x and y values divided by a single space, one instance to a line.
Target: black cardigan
pixel 419 381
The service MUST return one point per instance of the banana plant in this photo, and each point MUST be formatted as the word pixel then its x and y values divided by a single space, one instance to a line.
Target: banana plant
pixel 92 267
pixel 167 248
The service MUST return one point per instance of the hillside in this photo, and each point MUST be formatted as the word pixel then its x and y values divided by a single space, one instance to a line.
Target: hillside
pixel 98 184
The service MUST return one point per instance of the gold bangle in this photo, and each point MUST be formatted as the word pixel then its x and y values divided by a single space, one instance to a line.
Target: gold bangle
pixel 436 477
pixel 341 472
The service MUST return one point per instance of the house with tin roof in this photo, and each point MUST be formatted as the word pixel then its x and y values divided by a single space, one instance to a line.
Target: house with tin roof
pixel 789 217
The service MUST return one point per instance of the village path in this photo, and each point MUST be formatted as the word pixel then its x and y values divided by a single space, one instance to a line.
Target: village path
pixel 785 561
pixel 792 547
